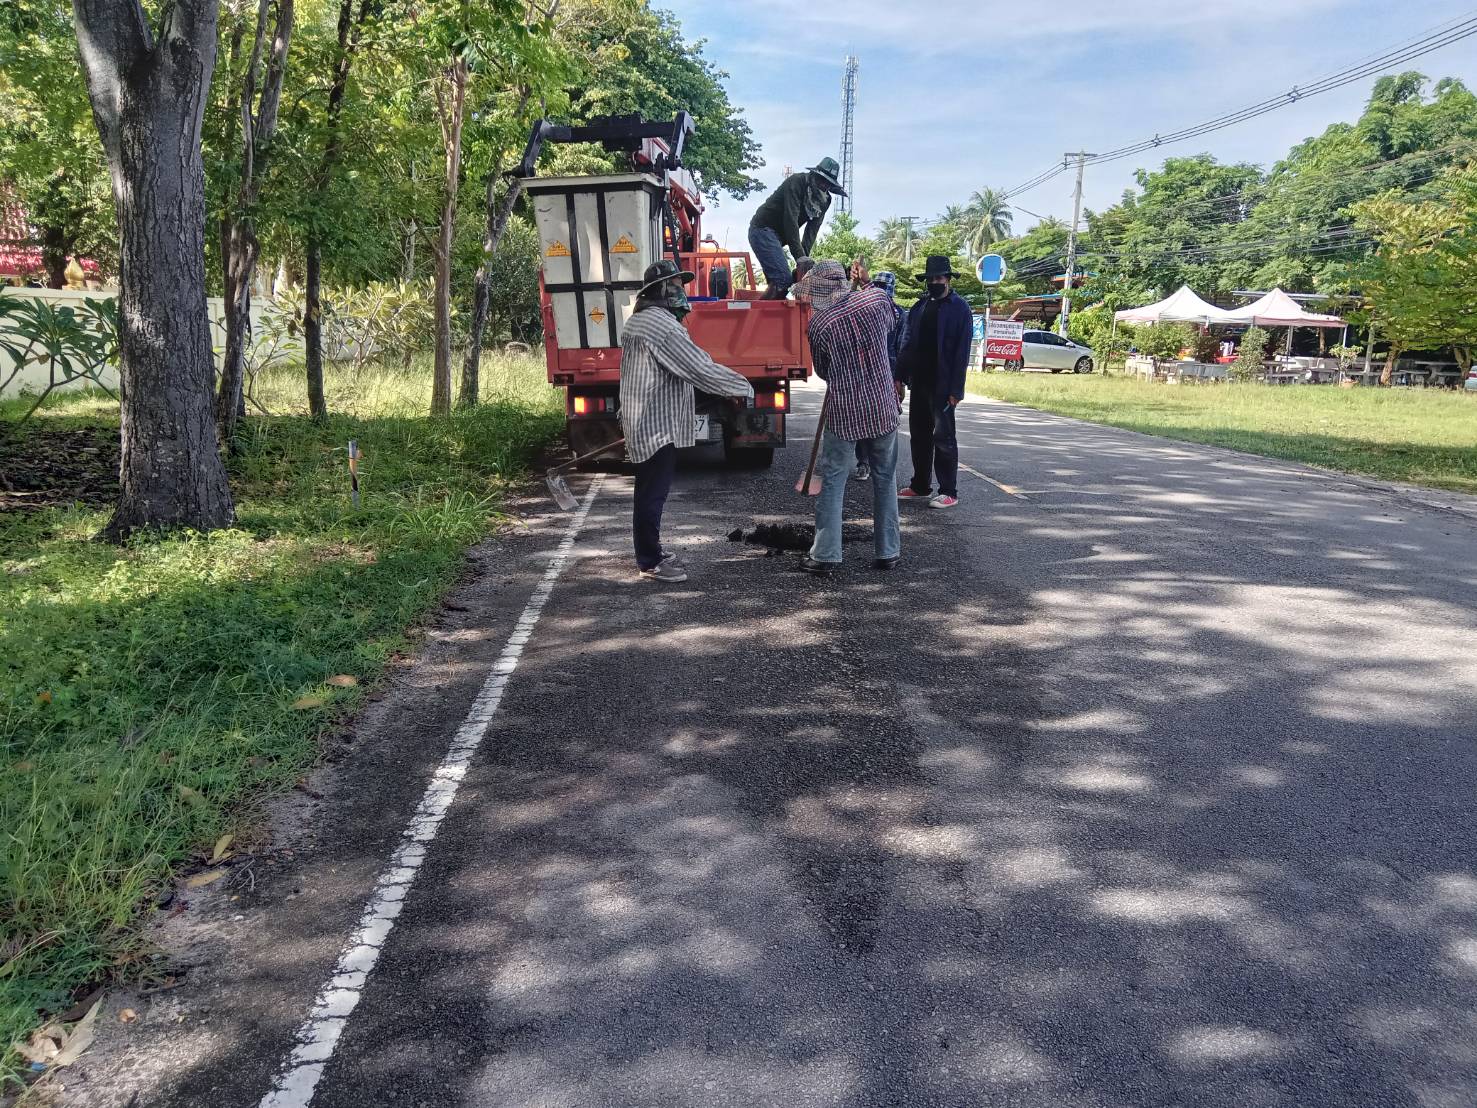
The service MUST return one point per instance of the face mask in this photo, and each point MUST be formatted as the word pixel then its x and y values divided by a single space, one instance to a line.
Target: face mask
pixel 938 289
pixel 674 299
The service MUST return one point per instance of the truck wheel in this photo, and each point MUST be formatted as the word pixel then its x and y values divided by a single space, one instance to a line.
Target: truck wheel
pixel 719 283
pixel 748 457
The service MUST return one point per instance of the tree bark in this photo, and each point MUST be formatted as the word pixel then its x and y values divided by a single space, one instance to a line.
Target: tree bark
pixel 451 100
pixel 497 223
pixel 313 330
pixel 1390 359
pixel 55 246
pixel 348 42
pixel 148 99
pixel 258 128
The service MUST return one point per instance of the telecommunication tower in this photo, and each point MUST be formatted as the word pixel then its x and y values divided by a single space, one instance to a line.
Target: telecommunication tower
pixel 848 131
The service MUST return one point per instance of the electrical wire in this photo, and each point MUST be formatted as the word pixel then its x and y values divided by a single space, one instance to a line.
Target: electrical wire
pixel 1446 35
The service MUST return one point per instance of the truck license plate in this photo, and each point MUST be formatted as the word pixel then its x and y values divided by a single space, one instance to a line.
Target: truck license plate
pixel 700 428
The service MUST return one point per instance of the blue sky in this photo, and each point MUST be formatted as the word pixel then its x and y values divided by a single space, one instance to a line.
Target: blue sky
pixel 957 95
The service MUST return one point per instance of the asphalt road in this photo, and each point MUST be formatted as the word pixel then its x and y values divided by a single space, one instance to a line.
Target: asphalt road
pixel 1146 780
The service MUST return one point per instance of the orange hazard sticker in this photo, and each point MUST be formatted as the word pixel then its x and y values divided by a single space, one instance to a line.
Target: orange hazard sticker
pixel 623 245
pixel 597 315
pixel 557 250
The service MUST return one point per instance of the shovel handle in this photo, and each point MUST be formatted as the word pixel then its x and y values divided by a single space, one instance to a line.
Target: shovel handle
pixel 815 447
pixel 563 466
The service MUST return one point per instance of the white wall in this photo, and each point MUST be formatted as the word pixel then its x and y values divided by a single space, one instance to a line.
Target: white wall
pixel 33 378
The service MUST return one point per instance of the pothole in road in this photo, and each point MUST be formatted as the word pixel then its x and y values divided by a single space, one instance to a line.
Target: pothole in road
pixel 780 537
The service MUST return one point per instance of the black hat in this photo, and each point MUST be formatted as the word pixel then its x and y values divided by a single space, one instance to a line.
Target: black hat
pixel 938 265
pixel 662 271
pixel 829 172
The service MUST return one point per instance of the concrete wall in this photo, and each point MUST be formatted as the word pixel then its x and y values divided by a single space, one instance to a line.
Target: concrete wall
pixel 34 378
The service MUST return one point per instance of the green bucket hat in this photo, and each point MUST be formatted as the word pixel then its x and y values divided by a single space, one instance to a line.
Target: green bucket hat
pixel 829 172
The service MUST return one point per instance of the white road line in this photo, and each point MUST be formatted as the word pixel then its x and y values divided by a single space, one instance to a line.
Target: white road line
pixel 319 1034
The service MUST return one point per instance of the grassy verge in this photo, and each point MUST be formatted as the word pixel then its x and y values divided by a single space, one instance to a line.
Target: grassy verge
pixel 1425 437
pixel 147 693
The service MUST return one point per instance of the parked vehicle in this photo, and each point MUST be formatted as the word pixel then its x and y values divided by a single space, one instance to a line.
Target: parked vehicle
pixel 1043 350
pixel 1471 381
pixel 598 234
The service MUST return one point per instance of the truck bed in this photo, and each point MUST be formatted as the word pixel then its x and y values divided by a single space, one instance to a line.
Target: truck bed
pixel 757 338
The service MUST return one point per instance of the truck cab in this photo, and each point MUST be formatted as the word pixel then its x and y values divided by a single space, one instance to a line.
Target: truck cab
pixel 598 234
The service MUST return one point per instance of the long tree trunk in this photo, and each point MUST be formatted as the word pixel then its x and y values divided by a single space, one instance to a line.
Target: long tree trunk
pixel 497 223
pixel 348 42
pixel 258 128
pixel 148 99
pixel 452 103
pixel 313 329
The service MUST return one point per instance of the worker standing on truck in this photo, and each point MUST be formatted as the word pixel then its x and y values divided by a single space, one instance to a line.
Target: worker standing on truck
pixel 792 217
pixel 849 336
pixel 660 364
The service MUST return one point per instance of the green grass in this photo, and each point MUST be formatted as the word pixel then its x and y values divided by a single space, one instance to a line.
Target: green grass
pixel 1424 437
pixel 146 692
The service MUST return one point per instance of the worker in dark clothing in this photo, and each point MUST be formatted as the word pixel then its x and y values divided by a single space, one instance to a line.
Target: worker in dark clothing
pixel 791 217
pixel 933 364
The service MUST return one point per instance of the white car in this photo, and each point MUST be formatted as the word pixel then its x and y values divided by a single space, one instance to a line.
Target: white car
pixel 1043 350
pixel 1470 384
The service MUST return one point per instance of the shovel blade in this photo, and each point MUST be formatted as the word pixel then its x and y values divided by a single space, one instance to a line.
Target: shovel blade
pixel 813 488
pixel 559 490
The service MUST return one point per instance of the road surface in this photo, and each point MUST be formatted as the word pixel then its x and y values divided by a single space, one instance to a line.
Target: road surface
pixel 1146 780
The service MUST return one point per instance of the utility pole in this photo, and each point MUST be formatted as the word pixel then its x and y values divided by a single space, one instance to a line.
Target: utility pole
pixel 1063 320
pixel 908 240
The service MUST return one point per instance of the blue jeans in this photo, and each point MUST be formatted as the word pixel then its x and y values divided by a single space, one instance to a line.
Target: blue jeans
pixel 770 253
pixel 837 458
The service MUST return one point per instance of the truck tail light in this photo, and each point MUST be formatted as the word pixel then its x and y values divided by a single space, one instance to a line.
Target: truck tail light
pixel 589 405
pixel 779 400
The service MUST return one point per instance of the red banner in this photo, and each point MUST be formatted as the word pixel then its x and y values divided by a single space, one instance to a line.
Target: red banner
pixel 1009 349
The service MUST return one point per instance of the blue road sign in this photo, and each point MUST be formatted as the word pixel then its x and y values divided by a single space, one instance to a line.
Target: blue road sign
pixel 991 269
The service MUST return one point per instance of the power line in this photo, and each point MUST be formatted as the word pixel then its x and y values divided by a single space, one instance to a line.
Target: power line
pixel 1408 50
pixel 1445 36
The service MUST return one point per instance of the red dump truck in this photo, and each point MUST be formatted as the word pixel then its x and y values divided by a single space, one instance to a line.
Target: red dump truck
pixel 597 235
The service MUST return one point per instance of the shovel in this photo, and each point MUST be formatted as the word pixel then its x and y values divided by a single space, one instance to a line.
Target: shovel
pixel 559 488
pixel 810 484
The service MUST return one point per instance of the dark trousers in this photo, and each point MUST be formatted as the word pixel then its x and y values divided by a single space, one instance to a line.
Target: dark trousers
pixel 935 445
pixel 653 483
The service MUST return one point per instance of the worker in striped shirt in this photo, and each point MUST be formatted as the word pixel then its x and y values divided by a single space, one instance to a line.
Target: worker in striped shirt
pixel 849 338
pixel 660 365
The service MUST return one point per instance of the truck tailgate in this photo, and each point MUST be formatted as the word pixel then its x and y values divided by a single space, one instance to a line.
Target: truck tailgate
pixel 758 338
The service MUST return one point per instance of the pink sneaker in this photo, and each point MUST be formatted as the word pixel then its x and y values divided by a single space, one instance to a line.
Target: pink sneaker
pixel 907 493
pixel 942 501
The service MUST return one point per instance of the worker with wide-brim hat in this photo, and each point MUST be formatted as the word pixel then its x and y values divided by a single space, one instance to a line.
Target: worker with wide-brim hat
pixel 933 364
pixel 661 368
pixel 790 218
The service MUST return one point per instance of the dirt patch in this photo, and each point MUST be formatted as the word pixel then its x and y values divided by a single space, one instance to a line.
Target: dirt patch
pixel 45 467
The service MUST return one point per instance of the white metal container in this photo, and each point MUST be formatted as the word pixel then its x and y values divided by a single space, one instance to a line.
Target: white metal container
pixel 597 235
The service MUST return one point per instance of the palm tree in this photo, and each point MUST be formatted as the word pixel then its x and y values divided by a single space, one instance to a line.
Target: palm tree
pixel 956 217
pixel 989 219
pixel 893 237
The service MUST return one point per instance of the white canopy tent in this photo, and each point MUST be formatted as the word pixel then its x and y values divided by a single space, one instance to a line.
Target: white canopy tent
pixel 1277 309
pixel 1183 307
